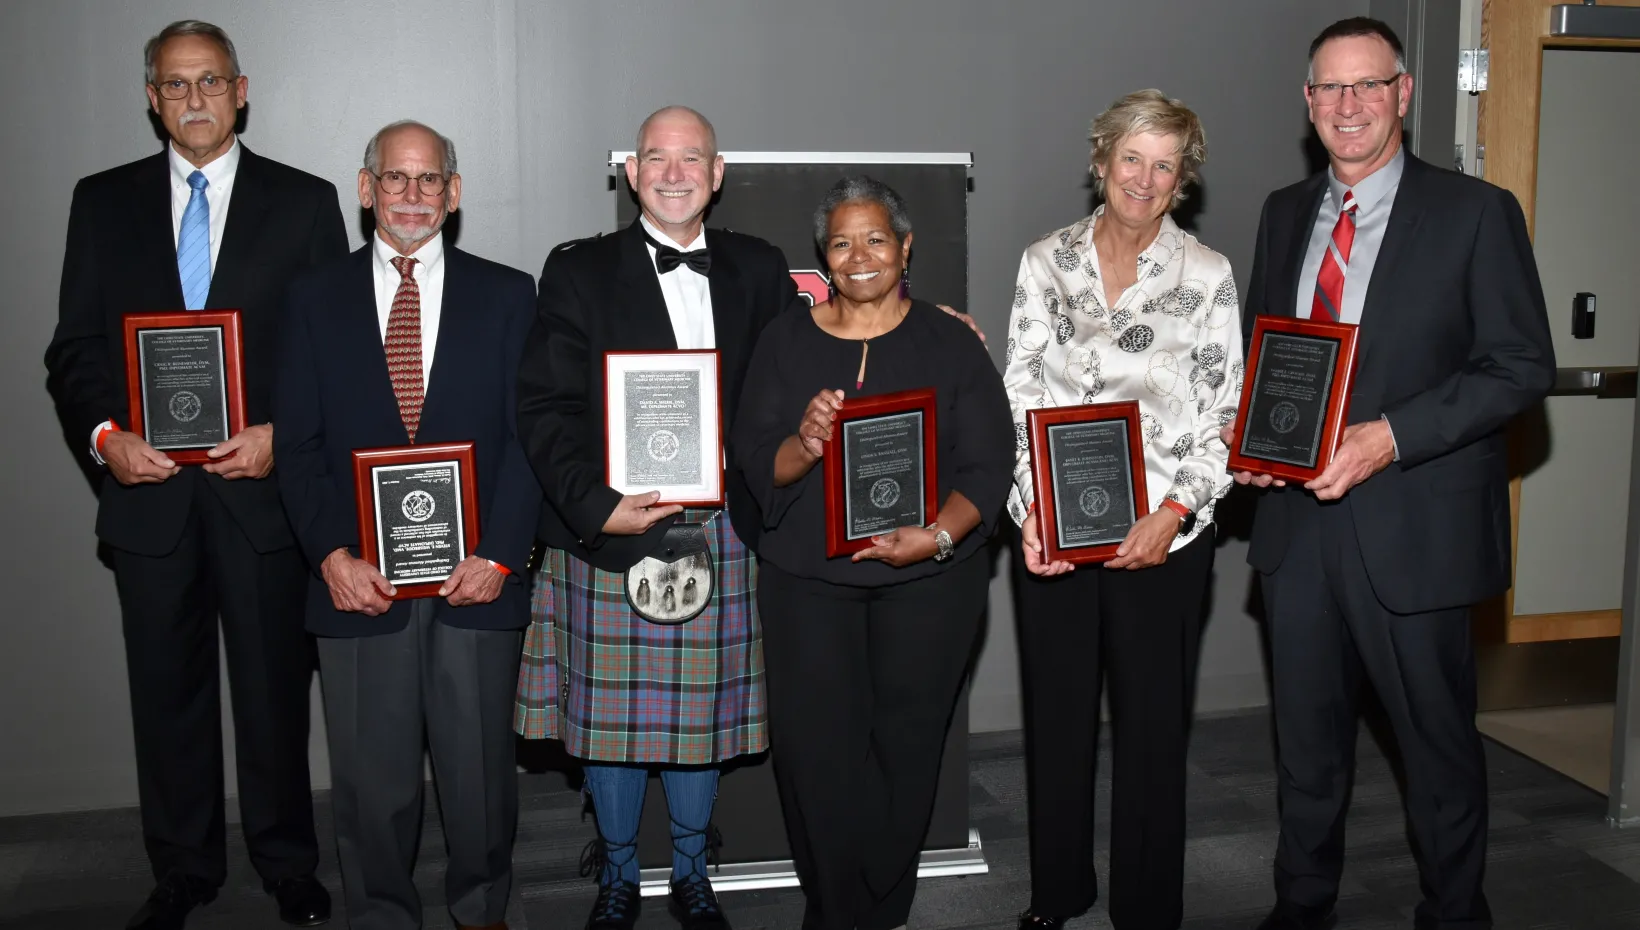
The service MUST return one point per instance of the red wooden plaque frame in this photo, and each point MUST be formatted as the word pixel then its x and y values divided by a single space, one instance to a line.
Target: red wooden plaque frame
pixel 366 460
pixel 1037 423
pixel 233 358
pixel 864 408
pixel 1338 397
pixel 717 448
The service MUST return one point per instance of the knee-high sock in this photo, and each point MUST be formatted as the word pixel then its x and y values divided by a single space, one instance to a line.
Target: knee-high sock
pixel 617 802
pixel 690 795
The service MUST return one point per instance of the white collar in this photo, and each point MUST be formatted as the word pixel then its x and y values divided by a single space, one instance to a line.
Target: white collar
pixel 430 254
pixel 215 170
pixel 664 239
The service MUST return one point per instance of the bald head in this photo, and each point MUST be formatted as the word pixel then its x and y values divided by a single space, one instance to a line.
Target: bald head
pixel 677 117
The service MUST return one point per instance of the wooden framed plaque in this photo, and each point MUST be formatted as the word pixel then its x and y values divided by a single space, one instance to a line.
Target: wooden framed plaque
pixel 881 468
pixel 663 425
pixel 1296 397
pixel 418 513
pixel 184 377
pixel 1088 467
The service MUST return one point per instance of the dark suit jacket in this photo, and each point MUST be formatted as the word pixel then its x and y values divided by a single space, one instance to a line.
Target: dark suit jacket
pixel 600 295
pixel 333 395
pixel 1454 342
pixel 121 258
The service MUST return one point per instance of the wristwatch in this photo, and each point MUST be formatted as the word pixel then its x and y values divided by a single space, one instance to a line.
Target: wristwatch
pixel 943 540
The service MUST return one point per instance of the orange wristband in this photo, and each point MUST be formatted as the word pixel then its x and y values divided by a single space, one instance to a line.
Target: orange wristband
pixel 1176 507
pixel 499 567
pixel 103 435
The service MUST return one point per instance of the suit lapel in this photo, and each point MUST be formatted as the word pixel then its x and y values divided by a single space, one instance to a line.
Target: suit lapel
pixel 361 328
pixel 729 321
pixel 155 239
pixel 457 302
pixel 1309 207
pixel 1405 214
pixel 249 203
pixel 639 298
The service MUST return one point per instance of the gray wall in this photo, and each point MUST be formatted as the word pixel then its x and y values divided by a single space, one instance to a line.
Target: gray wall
pixel 535 95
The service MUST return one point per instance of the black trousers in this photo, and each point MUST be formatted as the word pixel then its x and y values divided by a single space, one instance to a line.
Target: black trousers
pixel 169 607
pixel 861 684
pixel 1139 633
pixel 1328 632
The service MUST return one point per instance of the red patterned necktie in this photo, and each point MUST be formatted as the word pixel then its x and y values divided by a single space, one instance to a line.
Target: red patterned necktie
pixel 404 346
pixel 1329 284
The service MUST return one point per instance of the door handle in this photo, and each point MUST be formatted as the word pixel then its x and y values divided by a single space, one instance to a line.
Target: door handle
pixel 1606 383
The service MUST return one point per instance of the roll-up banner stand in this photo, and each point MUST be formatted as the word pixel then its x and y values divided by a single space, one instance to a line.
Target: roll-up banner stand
pixel 773 195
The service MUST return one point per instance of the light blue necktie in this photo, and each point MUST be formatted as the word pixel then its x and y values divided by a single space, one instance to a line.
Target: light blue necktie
pixel 194 245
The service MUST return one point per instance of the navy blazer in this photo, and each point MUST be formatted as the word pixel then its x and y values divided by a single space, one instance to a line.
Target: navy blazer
pixel 1454 342
pixel 332 394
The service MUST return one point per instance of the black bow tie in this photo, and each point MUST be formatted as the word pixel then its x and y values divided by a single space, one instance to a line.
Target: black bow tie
pixel 668 258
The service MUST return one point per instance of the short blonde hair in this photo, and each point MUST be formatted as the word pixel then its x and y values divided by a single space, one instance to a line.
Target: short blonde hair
pixel 1149 111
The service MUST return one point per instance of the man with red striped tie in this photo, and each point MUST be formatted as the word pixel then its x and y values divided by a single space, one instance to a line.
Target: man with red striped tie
pixel 1368 571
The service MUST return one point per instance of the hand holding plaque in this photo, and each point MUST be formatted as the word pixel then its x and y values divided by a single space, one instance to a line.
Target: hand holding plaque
pixel 418 513
pixel 663 425
pixel 1087 464
pixel 1297 397
pixel 185 382
pixel 880 468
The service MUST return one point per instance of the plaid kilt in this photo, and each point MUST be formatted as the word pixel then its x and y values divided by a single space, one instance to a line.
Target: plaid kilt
pixel 619 689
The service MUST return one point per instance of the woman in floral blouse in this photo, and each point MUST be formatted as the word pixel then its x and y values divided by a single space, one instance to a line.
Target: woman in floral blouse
pixel 1122 306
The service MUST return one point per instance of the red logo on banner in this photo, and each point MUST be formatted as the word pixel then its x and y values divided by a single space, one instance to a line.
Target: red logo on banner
pixel 812 286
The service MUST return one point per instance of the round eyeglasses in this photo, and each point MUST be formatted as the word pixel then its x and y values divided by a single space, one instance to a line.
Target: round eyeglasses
pixel 397 182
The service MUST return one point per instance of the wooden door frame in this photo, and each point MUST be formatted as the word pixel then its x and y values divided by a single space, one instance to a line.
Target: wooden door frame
pixel 1516 33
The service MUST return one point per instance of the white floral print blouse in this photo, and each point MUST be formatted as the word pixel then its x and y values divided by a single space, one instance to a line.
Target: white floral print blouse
pixel 1172 342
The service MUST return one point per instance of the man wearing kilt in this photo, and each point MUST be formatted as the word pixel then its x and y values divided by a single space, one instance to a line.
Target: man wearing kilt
pixel 626 693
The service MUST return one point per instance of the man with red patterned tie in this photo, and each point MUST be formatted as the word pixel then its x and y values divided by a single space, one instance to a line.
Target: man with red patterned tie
pixel 361 342
pixel 1368 571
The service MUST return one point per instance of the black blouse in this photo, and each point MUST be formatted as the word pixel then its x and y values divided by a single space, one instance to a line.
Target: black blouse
pixel 795 359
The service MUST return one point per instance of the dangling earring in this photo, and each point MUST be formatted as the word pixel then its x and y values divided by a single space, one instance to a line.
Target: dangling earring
pixel 905 283
pixel 831 293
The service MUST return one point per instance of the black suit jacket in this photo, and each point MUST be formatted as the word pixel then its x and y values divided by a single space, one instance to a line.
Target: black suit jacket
pixel 121 258
pixel 1454 342
pixel 333 395
pixel 601 295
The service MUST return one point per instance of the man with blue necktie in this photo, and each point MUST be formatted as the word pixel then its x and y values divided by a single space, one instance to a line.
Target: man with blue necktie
pixel 206 224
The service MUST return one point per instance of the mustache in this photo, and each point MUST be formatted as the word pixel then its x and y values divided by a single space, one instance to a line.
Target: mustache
pixel 412 209
pixel 196 116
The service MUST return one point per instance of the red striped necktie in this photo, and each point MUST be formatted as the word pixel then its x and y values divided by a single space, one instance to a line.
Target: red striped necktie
pixel 404 346
pixel 1329 284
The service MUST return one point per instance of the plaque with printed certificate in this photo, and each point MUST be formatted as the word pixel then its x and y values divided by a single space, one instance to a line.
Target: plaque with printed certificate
pixel 663 425
pixel 184 374
pixel 418 513
pixel 1088 468
pixel 1296 399
pixel 880 468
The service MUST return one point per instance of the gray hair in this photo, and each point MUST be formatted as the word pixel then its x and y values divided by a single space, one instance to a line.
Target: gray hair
pixel 186 27
pixel 1358 27
pixel 373 154
pixel 859 188
pixel 706 124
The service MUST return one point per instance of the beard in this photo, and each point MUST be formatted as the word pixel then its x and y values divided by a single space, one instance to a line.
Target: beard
pixel 405 232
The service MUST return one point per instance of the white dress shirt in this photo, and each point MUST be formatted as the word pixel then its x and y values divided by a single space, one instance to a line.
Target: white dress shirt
pixel 218 192
pixel 428 273
pixel 220 175
pixel 1172 342
pixel 688 294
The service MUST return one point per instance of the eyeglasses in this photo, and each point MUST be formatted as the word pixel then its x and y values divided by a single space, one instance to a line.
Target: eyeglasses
pixel 397 182
pixel 210 85
pixel 1371 90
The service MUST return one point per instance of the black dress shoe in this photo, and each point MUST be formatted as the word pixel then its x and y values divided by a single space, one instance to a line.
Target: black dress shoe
pixel 695 906
pixel 168 904
pixel 616 908
pixel 1293 917
pixel 303 902
pixel 1031 920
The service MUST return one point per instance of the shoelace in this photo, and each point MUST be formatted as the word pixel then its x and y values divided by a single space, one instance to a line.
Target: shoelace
pixel 695 888
pixel 614 901
pixel 698 897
